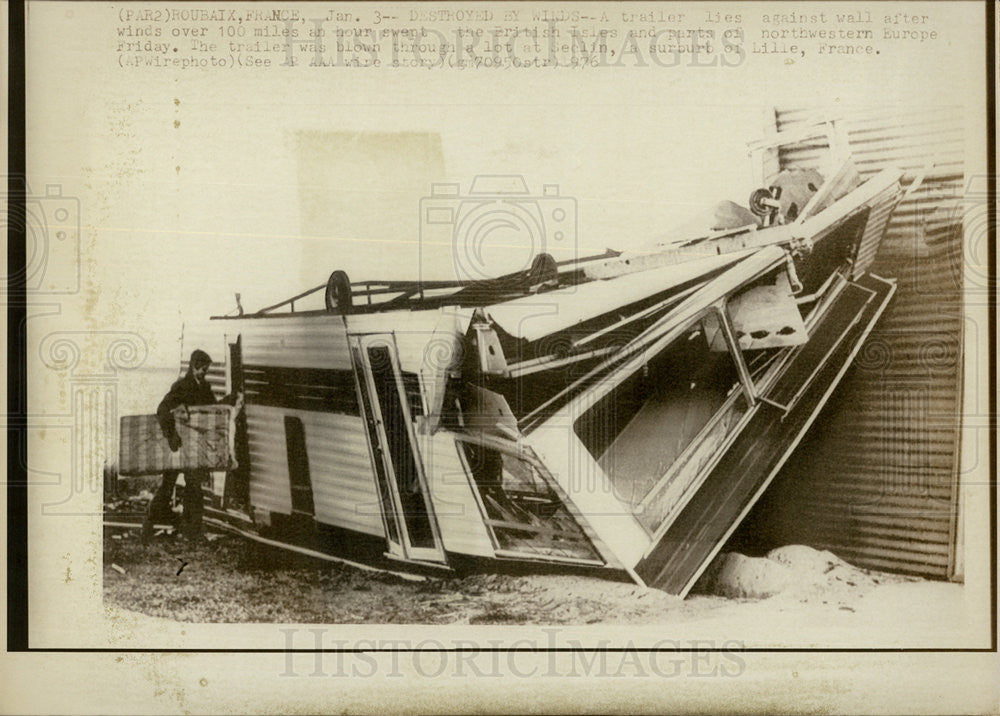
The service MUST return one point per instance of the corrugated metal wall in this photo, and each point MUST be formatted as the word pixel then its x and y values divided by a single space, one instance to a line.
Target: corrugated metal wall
pixel 875 481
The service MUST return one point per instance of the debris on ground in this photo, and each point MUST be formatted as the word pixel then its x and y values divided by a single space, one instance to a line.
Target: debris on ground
pixel 231 579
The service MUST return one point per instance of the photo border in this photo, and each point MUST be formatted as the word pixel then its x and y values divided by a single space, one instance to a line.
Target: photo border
pixel 17 554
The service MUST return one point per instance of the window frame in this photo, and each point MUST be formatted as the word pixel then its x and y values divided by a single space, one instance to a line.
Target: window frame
pixel 521 451
pixel 747 390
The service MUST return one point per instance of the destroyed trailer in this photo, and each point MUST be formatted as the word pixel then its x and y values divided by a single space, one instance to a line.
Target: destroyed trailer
pixel 620 412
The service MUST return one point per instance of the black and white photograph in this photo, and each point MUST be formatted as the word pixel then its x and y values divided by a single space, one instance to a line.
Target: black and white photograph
pixel 636 355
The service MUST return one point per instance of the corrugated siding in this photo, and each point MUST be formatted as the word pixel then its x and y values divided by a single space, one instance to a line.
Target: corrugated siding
pixel 295 342
pixel 875 481
pixel 339 467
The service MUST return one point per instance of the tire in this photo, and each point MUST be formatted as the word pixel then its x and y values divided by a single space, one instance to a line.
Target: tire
pixel 338 294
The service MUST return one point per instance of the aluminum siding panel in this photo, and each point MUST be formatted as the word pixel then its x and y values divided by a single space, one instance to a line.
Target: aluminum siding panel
pixel 339 464
pixel 295 342
pixel 339 467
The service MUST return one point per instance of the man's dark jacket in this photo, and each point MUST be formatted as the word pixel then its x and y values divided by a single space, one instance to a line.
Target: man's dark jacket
pixel 185 391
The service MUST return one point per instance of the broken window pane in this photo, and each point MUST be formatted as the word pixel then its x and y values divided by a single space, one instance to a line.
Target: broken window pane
pixel 523 512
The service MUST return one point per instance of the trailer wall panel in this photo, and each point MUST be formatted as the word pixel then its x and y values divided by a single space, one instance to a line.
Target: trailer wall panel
pixel 342 480
pixel 458 514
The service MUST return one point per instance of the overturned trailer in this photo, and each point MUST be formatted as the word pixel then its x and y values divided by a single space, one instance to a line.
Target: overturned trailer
pixel 617 412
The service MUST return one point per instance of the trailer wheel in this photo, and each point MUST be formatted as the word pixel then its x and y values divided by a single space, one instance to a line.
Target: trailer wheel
pixel 758 203
pixel 543 272
pixel 338 292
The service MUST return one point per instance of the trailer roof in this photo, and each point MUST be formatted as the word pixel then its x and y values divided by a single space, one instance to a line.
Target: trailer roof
pixel 532 317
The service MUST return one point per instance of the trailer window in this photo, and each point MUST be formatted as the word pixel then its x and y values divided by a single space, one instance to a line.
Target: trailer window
pixel 675 410
pixel 400 448
pixel 523 512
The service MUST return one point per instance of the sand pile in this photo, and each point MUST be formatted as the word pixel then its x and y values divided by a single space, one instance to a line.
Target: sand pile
pixel 792 570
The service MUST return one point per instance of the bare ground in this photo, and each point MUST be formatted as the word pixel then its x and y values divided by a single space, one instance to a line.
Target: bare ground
pixel 231 579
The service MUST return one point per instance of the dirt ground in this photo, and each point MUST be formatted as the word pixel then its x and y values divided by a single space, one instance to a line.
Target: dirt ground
pixel 231 579
pixel 796 596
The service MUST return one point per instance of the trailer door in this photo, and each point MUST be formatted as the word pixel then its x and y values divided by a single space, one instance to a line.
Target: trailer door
pixel 411 530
